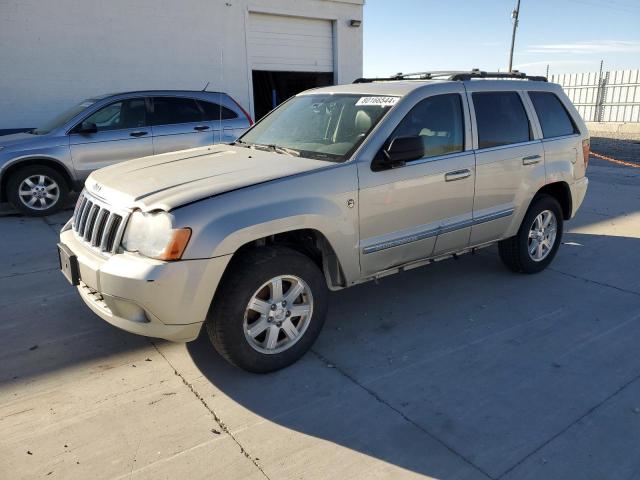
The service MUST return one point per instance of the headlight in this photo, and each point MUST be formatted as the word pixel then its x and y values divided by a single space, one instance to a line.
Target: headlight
pixel 152 235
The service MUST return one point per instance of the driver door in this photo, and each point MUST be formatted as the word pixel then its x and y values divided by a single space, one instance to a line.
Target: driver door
pixel 424 207
pixel 122 134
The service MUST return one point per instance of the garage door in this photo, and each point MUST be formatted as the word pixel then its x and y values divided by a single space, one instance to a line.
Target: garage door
pixel 293 44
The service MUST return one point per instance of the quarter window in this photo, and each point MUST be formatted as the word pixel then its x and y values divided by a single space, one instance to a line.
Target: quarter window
pixel 170 110
pixel 501 119
pixel 554 119
pixel 214 111
pixel 438 121
pixel 120 115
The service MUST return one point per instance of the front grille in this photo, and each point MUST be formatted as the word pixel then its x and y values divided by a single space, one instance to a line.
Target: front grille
pixel 98 224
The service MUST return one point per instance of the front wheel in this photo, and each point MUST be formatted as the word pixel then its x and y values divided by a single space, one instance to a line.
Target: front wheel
pixel 268 310
pixel 37 190
pixel 538 238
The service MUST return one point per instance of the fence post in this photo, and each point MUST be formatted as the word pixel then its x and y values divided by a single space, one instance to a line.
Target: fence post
pixel 601 97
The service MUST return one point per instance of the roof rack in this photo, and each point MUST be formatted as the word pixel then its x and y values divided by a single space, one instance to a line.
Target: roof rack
pixel 460 75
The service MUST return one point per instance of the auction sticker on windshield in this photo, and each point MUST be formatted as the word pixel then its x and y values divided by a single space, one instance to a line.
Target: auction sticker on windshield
pixel 382 101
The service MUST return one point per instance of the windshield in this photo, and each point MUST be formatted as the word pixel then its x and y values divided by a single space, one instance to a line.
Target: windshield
pixel 63 118
pixel 326 127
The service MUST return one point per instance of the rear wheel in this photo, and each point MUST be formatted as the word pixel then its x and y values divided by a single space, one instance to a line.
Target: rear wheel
pixel 538 238
pixel 37 190
pixel 269 309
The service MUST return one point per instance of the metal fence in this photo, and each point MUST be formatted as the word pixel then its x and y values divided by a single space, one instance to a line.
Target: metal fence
pixel 612 96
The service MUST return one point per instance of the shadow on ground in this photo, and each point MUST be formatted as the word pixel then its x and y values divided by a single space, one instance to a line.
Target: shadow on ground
pixel 462 369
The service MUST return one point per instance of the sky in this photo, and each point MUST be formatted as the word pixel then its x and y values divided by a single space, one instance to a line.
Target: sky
pixel 568 35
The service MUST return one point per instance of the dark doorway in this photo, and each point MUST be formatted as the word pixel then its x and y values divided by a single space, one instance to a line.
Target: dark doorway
pixel 270 89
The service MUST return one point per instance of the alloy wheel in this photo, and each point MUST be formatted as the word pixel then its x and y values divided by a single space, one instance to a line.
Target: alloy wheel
pixel 278 314
pixel 542 235
pixel 39 192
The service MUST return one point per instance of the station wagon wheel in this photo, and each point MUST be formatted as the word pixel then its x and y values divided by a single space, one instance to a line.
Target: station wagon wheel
pixel 542 235
pixel 37 190
pixel 269 308
pixel 535 245
pixel 278 314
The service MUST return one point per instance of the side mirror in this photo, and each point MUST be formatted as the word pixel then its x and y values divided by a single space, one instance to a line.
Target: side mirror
pixel 86 128
pixel 404 149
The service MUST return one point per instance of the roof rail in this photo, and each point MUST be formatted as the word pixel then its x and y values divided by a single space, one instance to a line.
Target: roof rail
pixel 460 75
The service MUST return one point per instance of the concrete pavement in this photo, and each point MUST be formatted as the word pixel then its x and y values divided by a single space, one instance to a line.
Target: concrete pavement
pixel 459 370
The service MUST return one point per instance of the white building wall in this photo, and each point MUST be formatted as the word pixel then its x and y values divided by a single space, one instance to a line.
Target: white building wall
pixel 56 53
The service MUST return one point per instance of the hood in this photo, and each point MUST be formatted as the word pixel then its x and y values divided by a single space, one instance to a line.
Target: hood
pixel 16 139
pixel 172 179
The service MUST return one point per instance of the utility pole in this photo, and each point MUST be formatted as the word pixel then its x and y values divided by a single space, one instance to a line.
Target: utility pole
pixel 514 16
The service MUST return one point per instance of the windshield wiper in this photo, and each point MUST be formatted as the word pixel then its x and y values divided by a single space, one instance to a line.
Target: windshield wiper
pixel 275 148
pixel 287 151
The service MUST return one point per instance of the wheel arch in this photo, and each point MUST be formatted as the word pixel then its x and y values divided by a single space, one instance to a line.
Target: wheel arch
pixel 25 162
pixel 562 193
pixel 310 242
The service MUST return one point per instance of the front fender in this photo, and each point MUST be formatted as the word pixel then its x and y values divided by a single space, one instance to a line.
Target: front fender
pixel 317 200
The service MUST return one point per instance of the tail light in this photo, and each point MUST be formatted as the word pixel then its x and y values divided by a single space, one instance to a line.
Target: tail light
pixel 586 146
pixel 243 111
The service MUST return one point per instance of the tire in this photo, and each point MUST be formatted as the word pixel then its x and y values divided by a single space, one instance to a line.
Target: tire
pixel 37 184
pixel 233 326
pixel 515 251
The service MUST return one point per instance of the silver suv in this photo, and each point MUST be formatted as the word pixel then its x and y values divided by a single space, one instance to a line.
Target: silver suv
pixel 39 168
pixel 337 186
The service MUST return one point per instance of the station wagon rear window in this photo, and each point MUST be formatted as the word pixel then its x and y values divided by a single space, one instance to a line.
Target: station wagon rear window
pixel 553 117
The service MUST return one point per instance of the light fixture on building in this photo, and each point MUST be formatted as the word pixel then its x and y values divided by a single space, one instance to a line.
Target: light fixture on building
pixel 355 23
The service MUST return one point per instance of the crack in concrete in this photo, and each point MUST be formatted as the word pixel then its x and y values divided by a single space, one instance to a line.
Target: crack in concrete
pixel 402 415
pixel 215 416
pixel 565 429
pixel 19 274
pixel 588 280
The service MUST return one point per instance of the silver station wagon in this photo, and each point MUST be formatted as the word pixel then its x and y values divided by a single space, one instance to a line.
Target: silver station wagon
pixel 337 186
pixel 39 168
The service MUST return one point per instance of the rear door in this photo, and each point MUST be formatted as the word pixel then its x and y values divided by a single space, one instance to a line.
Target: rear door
pixel 509 161
pixel 179 123
pixel 123 134
pixel 229 125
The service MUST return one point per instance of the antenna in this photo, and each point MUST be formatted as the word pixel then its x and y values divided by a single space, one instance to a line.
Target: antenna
pixel 205 87
pixel 220 94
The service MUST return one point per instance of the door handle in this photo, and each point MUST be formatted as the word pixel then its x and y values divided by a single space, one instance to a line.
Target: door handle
pixel 139 133
pixel 201 128
pixel 457 175
pixel 531 159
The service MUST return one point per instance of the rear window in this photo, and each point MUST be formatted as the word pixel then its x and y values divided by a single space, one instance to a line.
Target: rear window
pixel 553 117
pixel 501 119
pixel 214 111
pixel 171 110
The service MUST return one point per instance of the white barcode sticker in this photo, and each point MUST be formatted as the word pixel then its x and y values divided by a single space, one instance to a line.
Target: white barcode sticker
pixel 381 101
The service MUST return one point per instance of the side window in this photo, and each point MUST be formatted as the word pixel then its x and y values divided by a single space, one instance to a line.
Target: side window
pixel 554 119
pixel 170 110
pixel 501 119
pixel 438 121
pixel 120 115
pixel 214 111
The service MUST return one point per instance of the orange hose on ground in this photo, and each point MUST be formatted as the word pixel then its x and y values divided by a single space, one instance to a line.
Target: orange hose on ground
pixel 613 160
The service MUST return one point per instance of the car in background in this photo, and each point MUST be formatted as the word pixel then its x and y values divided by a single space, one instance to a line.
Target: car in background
pixel 40 167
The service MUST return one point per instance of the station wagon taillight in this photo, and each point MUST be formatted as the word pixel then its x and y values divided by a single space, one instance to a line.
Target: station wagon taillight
pixel 243 111
pixel 586 146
